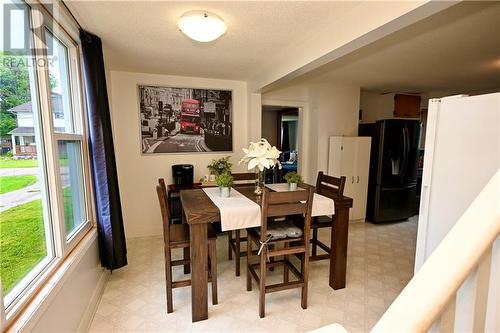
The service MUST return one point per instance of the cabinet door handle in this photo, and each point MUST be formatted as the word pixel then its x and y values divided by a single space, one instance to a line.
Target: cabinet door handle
pixel 352 179
pixel 357 181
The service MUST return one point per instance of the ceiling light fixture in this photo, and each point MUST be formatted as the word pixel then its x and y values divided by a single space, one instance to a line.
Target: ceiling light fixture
pixel 202 26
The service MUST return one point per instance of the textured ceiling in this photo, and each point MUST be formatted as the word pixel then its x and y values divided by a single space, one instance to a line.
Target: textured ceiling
pixel 143 36
pixel 456 50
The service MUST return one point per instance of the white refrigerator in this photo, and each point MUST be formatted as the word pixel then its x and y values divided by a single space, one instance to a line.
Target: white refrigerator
pixel 462 153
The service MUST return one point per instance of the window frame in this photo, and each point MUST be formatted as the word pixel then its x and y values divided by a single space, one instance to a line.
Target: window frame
pixel 78 134
pixel 66 31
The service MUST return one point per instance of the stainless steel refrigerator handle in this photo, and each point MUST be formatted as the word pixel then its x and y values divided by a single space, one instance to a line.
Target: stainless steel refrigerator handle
pixel 407 150
pixel 403 162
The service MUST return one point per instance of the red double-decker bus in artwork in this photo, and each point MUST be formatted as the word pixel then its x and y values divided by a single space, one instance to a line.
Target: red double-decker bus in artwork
pixel 190 116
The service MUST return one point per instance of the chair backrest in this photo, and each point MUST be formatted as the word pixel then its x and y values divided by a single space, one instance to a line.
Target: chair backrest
pixel 287 203
pixel 330 186
pixel 244 178
pixel 161 182
pixel 165 212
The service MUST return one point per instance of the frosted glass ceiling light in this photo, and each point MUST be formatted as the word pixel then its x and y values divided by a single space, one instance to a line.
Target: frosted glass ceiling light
pixel 202 26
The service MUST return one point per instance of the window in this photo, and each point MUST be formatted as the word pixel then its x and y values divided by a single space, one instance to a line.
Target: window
pixel 59 84
pixel 71 179
pixel 45 209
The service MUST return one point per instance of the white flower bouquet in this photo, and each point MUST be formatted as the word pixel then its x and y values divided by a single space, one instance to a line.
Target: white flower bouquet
pixel 261 155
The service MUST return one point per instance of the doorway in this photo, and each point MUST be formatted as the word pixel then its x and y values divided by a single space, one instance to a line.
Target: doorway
pixel 280 126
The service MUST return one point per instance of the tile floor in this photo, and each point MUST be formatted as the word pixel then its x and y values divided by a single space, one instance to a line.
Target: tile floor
pixel 380 263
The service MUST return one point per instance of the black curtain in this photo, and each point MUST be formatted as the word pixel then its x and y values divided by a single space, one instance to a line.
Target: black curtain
pixel 112 247
pixel 285 141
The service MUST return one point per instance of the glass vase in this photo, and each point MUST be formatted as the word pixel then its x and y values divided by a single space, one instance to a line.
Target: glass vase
pixel 259 181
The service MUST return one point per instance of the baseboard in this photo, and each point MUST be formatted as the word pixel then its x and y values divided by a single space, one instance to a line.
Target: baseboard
pixel 91 309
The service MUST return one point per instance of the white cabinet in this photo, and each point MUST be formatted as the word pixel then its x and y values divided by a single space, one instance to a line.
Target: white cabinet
pixel 350 157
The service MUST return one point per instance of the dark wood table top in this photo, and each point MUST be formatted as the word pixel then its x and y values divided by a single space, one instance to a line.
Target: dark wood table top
pixel 199 208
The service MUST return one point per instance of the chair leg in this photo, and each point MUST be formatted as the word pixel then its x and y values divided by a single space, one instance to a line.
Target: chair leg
pixel 168 280
pixel 213 269
pixel 249 260
pixel 314 242
pixel 187 267
pixel 305 278
pixel 262 285
pixel 229 249
pixel 285 267
pixel 237 252
pixel 271 247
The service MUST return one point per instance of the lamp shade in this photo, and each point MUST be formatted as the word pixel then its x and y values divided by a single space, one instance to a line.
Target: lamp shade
pixel 202 26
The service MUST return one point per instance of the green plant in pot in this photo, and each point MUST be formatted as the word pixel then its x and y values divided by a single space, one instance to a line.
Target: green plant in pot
pixel 224 181
pixel 219 166
pixel 293 178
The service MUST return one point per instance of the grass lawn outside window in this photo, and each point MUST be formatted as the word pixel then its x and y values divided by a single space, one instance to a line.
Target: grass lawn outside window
pixel 13 183
pixel 22 239
pixel 22 242
pixel 7 163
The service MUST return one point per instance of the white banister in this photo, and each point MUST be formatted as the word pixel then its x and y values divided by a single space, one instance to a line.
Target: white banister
pixel 492 323
pixel 459 276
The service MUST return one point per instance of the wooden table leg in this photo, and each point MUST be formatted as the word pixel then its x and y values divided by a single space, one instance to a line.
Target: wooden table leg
pixel 199 274
pixel 338 257
pixel 185 255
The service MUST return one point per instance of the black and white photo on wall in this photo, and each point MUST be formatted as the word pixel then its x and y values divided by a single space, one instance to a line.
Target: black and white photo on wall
pixel 182 120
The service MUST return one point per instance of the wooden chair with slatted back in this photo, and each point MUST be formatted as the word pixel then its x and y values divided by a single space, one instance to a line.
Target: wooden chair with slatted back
pixel 176 236
pixel 330 187
pixel 234 244
pixel 187 268
pixel 277 204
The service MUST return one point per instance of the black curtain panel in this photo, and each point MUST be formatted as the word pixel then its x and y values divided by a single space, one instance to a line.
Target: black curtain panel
pixel 112 247
pixel 285 141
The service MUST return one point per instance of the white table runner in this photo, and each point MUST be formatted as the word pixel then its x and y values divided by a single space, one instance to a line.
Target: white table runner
pixel 321 204
pixel 237 211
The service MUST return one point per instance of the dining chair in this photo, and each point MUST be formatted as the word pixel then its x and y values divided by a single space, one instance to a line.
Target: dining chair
pixel 281 238
pixel 234 244
pixel 176 236
pixel 330 187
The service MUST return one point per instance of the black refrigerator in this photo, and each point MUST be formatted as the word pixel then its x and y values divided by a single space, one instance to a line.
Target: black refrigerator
pixel 392 183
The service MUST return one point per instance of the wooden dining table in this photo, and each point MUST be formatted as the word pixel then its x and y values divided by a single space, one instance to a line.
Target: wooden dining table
pixel 199 210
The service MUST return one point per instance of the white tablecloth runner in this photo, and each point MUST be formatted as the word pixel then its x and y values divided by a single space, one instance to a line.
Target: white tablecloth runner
pixel 321 204
pixel 237 211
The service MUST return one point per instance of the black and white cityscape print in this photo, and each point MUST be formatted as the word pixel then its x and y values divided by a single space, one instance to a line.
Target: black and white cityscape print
pixel 181 120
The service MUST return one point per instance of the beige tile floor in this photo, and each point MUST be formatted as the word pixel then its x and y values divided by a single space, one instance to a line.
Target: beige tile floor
pixel 380 264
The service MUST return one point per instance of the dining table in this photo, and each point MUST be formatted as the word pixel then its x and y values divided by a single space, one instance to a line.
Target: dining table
pixel 199 210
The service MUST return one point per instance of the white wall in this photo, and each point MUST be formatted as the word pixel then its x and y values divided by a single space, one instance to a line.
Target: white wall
pixel 70 306
pixel 326 109
pixel 336 109
pixel 138 174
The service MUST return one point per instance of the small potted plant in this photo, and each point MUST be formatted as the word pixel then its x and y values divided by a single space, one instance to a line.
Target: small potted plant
pixel 293 178
pixel 218 167
pixel 224 181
